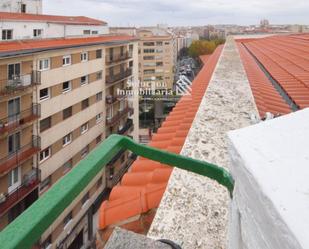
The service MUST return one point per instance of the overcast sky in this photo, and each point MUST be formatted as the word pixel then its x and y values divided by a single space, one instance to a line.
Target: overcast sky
pixel 183 12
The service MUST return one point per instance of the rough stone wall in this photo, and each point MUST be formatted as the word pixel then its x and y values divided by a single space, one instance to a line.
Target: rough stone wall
pixel 194 209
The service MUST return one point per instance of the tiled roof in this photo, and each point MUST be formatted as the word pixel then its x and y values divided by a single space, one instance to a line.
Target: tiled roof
pixel 266 97
pixel 142 188
pixel 18 47
pixel 286 58
pixel 74 20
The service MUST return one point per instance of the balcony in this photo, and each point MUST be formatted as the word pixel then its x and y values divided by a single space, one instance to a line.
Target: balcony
pixel 19 83
pixel 118 58
pixel 112 121
pixel 126 128
pixel 117 77
pixel 24 153
pixel 114 179
pixel 8 200
pixel 110 99
pixel 12 122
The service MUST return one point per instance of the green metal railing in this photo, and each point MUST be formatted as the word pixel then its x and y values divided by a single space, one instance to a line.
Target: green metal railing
pixel 27 229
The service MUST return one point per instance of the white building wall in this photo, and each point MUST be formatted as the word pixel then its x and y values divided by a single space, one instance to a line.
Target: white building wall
pixel 24 30
pixel 32 6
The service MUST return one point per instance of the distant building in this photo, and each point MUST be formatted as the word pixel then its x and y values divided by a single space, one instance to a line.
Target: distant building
pixel 264 23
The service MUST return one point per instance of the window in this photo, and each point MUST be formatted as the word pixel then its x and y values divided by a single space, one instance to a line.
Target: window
pixel 45 124
pixel 37 32
pixel 45 184
pixel 122 105
pixel 99 117
pixel 66 86
pixel 85 199
pixel 85 151
pixel 66 60
pixel 66 113
pixel 44 64
pixel 111 54
pixel 99 75
pixel 149 71
pixel 67 166
pixel 148 50
pixel 98 139
pixel 95 32
pixel 98 53
pixel 99 182
pixel 122 159
pixel 45 154
pixel 159 50
pixel 149 57
pixel 67 139
pixel 84 56
pixel 23 8
pixel 84 128
pixel 87 32
pixel 47 243
pixel 14 179
pixel 130 64
pixel 67 219
pixel 13 143
pixel 159 63
pixel 149 43
pixel 121 51
pixel 84 80
pixel 166 43
pixel 85 104
pixel 7 34
pixel 99 96
pixel 159 43
pixel 109 113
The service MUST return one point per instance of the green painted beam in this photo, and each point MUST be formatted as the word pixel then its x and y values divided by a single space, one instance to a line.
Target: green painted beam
pixel 27 229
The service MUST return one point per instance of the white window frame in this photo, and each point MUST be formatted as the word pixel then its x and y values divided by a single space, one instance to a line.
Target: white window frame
pixel 84 56
pixel 86 82
pixel 42 62
pixel 84 128
pixel 12 184
pixel 109 113
pixel 45 157
pixel 67 139
pixel 99 117
pixel 47 96
pixel 46 186
pixel 6 35
pixel 37 33
pixel 84 154
pixel 67 89
pixel 66 60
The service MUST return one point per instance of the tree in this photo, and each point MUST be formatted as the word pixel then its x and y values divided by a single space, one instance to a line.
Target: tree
pixel 201 47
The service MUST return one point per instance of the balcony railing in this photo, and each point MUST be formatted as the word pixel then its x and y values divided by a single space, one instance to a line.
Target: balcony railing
pixel 117 77
pixel 126 127
pixel 13 121
pixel 21 155
pixel 8 200
pixel 27 228
pixel 118 57
pixel 116 177
pixel 19 82
pixel 112 121
pixel 110 99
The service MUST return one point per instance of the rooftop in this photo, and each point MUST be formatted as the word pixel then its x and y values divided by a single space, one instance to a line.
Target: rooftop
pixel 21 47
pixel 73 20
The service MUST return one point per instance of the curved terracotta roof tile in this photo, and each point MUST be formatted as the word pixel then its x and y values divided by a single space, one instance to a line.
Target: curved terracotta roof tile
pixel 142 188
pixel 286 58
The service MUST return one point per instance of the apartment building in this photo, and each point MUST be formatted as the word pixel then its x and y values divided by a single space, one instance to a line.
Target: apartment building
pixel 57 104
pixel 58 101
pixel 156 59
